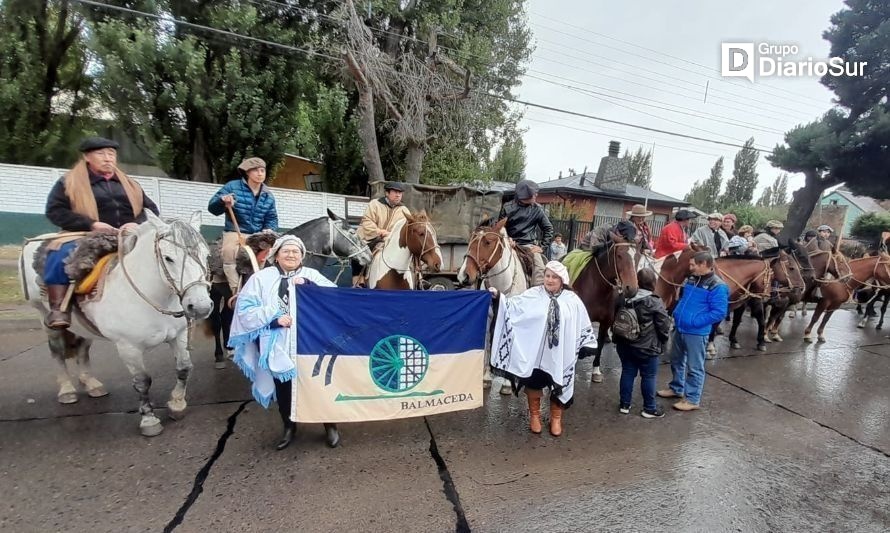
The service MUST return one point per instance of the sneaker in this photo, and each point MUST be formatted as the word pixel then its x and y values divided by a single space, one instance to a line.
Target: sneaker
pixel 684 405
pixel 657 413
pixel 668 393
pixel 624 409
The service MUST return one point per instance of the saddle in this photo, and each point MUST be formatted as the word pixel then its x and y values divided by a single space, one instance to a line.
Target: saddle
pixel 259 243
pixel 527 260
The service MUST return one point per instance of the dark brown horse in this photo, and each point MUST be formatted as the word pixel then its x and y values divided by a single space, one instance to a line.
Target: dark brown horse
pixel 837 292
pixel 411 244
pixel 610 275
pixel 777 306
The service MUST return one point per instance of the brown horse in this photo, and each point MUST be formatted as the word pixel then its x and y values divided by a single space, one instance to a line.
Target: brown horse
pixel 411 244
pixel 673 273
pixel 610 274
pixel 837 292
pixel 777 307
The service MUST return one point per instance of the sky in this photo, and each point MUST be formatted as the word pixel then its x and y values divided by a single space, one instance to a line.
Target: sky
pixel 646 59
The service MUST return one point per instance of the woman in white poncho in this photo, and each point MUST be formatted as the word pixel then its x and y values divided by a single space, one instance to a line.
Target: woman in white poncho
pixel 264 330
pixel 537 338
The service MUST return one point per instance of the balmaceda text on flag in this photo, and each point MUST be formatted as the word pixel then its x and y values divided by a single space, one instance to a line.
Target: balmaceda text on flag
pixel 379 355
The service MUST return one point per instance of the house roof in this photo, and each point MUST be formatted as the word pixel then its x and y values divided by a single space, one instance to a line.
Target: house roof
pixel 865 203
pixel 572 185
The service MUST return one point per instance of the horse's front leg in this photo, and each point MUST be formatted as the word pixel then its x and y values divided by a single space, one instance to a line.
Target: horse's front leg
pixel 883 311
pixel 149 424
pixel 177 403
pixel 94 387
pixel 777 313
pixel 820 307
pixel 823 324
pixel 757 314
pixel 601 336
pixel 58 349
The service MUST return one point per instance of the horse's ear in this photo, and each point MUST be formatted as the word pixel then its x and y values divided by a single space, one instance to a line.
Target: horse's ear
pixel 195 220
pixel 500 225
pixel 409 217
pixel 332 215
pixel 153 219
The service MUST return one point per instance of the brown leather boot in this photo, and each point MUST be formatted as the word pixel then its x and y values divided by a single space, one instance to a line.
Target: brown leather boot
pixel 57 318
pixel 534 409
pixel 555 419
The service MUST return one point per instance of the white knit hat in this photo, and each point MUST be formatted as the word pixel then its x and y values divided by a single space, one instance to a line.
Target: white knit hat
pixel 560 270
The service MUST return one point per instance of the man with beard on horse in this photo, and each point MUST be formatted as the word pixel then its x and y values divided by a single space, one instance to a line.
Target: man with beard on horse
pixel 252 205
pixel 377 222
pixel 524 218
pixel 93 196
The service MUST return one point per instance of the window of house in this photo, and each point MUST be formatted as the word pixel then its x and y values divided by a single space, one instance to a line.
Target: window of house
pixel 832 202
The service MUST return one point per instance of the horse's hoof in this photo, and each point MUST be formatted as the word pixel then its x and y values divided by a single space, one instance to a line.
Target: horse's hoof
pixel 821 339
pixel 879 326
pixel 761 347
pixel 777 337
pixel 97 392
pixel 220 365
pixel 597 377
pixel 807 339
pixel 735 345
pixel 767 339
pixel 861 325
pixel 67 397
pixel 150 427
pixel 486 384
pixel 174 415
pixel 506 389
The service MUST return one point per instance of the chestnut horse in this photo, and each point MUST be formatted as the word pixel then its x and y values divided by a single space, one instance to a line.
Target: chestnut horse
pixel 610 274
pixel 673 273
pixel 411 242
pixel 837 292
pixel 777 307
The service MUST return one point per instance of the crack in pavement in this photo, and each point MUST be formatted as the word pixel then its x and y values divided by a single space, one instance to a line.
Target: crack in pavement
pixel 461 526
pixel 792 411
pixel 201 476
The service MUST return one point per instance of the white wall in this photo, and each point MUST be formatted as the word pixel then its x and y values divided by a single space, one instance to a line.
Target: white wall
pixel 24 189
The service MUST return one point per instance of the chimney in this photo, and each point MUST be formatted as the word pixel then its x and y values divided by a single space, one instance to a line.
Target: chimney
pixel 613 173
pixel 583 177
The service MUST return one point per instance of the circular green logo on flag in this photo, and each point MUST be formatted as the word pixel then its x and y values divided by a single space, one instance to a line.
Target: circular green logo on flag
pixel 398 363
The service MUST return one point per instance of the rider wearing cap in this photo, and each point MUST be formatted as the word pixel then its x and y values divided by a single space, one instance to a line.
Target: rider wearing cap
pixel 712 235
pixel 822 241
pixel 252 203
pixel 93 196
pixel 768 239
pixel 524 218
pixel 377 222
pixel 673 236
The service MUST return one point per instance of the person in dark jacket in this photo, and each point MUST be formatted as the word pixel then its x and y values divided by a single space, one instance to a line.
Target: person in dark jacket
pixel 93 196
pixel 640 356
pixel 703 303
pixel 524 218
pixel 254 207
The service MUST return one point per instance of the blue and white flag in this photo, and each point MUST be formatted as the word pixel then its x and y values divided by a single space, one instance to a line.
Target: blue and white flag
pixel 379 355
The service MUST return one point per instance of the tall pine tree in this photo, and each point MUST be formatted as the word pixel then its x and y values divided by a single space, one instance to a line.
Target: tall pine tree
pixel 740 187
pixel 705 195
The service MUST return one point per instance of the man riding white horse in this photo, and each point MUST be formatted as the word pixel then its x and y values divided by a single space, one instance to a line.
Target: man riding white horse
pixel 524 218
pixel 93 196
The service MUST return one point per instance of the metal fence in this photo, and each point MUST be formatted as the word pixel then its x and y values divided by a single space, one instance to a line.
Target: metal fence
pixel 573 230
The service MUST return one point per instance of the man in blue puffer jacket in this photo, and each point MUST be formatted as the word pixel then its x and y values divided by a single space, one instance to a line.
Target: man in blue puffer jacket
pixel 254 208
pixel 703 303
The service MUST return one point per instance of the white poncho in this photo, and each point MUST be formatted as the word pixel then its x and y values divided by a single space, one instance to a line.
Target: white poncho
pixel 263 352
pixel 520 344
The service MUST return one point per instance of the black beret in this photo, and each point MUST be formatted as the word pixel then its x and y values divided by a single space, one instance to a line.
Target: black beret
pixel 97 143
pixel 394 185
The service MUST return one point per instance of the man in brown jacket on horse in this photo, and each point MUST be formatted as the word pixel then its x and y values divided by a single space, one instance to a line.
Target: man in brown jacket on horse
pixel 377 222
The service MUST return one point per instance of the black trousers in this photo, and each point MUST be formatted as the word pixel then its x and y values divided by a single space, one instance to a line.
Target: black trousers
pixel 283 395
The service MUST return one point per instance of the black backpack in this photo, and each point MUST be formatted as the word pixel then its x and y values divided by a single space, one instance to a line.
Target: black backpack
pixel 627 322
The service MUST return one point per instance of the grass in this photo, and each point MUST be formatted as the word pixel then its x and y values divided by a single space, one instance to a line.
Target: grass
pixel 10 292
pixel 10 251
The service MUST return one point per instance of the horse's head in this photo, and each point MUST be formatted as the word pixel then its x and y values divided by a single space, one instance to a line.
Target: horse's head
pixel 419 237
pixel 800 255
pixel 180 254
pixel 485 249
pixel 787 272
pixel 882 269
pixel 345 243
pixel 619 259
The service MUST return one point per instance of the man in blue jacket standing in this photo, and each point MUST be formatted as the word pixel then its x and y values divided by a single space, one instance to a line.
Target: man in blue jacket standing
pixel 254 208
pixel 703 303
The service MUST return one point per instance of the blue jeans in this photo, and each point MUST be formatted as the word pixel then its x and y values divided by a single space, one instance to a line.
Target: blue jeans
pixel 632 363
pixel 688 365
pixel 54 270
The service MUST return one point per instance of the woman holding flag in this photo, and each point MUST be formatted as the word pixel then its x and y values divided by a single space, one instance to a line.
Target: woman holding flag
pixel 264 331
pixel 537 338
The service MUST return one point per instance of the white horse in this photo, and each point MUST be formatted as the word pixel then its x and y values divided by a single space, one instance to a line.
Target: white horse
pixel 493 261
pixel 157 287
pixel 412 241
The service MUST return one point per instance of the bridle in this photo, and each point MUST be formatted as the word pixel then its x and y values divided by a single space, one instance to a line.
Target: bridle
pixel 612 255
pixel 484 272
pixel 416 265
pixel 833 260
pixel 357 247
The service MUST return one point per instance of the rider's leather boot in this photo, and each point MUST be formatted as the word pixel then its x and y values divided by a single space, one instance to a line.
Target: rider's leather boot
pixel 332 436
pixel 57 318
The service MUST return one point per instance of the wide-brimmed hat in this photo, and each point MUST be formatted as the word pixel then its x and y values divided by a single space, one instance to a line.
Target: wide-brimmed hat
pixel 97 143
pixel 638 210
pixel 252 162
pixel 684 214
pixel 393 186
pixel 559 269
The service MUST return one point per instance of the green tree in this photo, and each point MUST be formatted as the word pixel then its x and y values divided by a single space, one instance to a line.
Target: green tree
pixel 740 187
pixel 639 165
pixel 870 226
pixel 200 101
pixel 780 190
pixel 705 195
pixel 509 162
pixel 766 197
pixel 848 144
pixel 44 85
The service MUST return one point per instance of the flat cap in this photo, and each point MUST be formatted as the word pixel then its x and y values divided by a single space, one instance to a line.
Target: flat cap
pixel 97 143
pixel 252 162
pixel 394 186
pixel 525 189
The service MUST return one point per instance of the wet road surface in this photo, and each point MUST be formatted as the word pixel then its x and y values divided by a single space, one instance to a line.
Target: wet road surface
pixel 794 439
